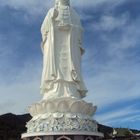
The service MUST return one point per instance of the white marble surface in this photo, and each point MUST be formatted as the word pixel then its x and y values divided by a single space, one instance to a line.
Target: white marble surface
pixel 62 50
pixel 85 133
pixel 63 114
pixel 63 105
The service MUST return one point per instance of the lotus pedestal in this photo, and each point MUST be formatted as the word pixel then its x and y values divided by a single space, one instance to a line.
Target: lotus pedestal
pixel 62 119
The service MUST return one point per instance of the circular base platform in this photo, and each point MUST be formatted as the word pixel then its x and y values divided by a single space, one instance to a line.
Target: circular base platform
pixel 98 134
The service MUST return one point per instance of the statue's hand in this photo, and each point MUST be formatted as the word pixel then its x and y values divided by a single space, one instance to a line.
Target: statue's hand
pixel 54 14
pixel 64 26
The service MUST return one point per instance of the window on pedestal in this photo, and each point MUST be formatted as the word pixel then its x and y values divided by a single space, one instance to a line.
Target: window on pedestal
pixel 37 138
pixel 63 138
pixel 89 138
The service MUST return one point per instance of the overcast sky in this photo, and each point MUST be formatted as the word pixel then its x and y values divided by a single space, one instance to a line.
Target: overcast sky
pixel 111 64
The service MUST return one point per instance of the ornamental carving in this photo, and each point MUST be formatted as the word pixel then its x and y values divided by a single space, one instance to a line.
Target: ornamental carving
pixel 64 105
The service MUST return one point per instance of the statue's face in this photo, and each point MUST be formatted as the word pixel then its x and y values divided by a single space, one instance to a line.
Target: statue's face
pixel 56 3
pixel 65 2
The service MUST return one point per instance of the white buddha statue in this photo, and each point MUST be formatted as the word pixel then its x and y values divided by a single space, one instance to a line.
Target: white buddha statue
pixel 62 50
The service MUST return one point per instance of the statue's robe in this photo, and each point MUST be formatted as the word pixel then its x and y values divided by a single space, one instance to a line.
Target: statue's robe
pixel 61 76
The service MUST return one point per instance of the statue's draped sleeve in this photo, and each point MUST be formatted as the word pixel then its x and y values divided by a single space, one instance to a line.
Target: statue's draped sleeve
pixel 47 31
pixel 45 28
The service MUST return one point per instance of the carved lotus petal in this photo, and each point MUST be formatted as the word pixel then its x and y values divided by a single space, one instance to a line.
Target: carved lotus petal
pixel 45 116
pixel 71 116
pixel 36 117
pixel 50 107
pixel 68 115
pixel 43 105
pixel 32 110
pixel 63 107
pixel 92 110
pixel 88 108
pixel 86 117
pixel 80 116
pixel 85 108
pixel 76 107
pixel 38 108
pixel 58 115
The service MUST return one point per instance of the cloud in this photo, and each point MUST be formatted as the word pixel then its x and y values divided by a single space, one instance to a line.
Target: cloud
pixel 37 7
pixel 110 22
pixel 128 39
pixel 96 3
pixel 20 77
pixel 117 34
pixel 113 84
pixel 123 117
pixel 111 63
pixel 5 106
pixel 117 114
pixel 17 95
pixel 31 7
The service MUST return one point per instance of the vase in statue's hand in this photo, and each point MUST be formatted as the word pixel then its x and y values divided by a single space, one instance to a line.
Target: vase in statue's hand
pixel 64 26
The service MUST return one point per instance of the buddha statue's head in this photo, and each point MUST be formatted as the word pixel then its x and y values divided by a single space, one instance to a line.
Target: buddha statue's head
pixel 56 3
pixel 64 2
